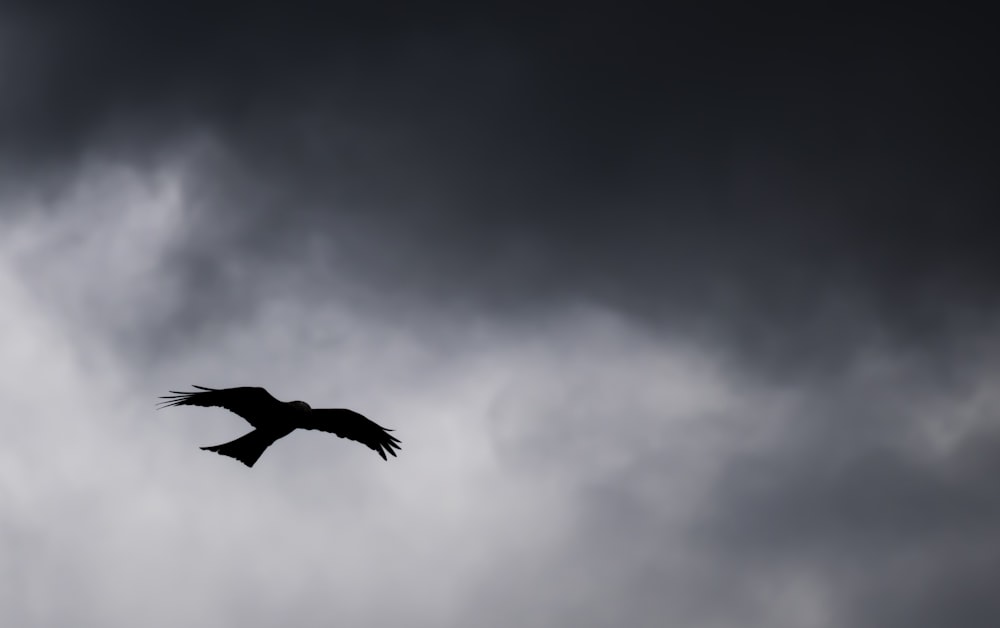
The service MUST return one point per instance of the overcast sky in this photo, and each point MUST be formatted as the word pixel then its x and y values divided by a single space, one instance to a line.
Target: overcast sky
pixel 684 320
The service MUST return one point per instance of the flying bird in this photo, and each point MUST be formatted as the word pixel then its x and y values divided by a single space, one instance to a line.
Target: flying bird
pixel 273 419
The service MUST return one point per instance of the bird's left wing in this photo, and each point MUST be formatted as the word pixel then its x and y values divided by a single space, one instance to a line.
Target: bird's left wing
pixel 349 424
pixel 250 402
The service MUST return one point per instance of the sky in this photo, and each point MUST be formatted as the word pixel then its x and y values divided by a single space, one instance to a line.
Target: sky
pixel 683 319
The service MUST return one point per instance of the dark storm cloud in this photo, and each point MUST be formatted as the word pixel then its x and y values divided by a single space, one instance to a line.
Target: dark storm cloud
pixel 729 170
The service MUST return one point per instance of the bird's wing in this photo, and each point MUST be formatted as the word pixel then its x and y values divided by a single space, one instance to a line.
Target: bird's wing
pixel 349 424
pixel 250 402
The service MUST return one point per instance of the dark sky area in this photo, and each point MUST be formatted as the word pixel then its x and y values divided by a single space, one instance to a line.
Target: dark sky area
pixel 685 318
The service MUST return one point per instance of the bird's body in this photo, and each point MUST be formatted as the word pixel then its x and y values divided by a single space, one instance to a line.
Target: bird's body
pixel 273 419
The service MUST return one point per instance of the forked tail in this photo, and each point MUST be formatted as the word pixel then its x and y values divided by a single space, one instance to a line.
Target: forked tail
pixel 247 448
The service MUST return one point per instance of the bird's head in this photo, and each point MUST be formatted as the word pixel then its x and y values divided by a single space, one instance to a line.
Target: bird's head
pixel 301 406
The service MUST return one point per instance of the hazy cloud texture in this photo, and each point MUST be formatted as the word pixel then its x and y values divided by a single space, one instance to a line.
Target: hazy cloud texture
pixel 682 320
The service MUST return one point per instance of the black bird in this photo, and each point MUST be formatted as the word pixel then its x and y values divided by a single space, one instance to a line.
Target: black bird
pixel 275 419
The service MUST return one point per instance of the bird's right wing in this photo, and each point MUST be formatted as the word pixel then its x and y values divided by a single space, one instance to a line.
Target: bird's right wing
pixel 250 402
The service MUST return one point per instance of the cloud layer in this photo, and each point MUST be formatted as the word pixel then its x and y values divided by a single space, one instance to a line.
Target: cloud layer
pixel 681 323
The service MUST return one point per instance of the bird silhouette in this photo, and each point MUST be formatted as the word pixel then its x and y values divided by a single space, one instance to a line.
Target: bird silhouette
pixel 273 419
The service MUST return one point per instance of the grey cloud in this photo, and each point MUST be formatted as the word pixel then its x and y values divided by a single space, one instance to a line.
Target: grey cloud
pixel 680 322
pixel 571 469
pixel 480 520
pixel 886 494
